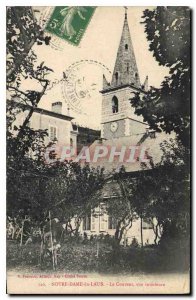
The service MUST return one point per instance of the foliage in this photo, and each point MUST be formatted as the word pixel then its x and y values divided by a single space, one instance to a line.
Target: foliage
pixel 33 186
pixel 25 146
pixel 67 189
pixel 22 32
pixel 168 108
pixel 163 192
pixel 73 190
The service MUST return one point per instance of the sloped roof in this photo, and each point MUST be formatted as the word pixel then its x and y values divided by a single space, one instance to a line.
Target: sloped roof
pixel 142 141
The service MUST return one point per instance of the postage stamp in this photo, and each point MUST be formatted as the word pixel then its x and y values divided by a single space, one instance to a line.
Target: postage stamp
pixel 70 22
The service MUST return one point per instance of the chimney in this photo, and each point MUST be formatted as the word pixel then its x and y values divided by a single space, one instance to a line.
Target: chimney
pixel 57 107
pixel 152 134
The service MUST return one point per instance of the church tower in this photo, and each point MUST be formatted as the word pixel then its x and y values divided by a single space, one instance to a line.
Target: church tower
pixel 118 118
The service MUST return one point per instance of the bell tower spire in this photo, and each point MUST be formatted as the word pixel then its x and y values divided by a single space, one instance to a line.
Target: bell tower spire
pixel 125 70
pixel 118 116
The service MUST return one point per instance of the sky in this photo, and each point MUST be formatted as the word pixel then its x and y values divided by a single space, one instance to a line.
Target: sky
pixel 98 48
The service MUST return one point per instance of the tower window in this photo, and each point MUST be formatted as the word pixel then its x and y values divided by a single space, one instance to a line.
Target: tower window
pixel 136 75
pixel 114 104
pixel 126 46
pixel 127 67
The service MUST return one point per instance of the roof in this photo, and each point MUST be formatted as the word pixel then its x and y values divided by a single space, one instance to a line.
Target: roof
pixel 42 111
pixel 52 114
pixel 143 141
pixel 109 88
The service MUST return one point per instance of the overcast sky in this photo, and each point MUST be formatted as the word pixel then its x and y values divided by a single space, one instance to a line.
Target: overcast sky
pixel 99 43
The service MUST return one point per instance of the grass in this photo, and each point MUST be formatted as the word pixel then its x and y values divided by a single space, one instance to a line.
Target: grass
pixel 88 257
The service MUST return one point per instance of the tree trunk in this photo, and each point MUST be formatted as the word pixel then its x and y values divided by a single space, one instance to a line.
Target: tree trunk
pixel 125 238
pixel 122 226
pixel 117 234
pixel 77 224
pixel 21 237
pixel 156 234
pixel 141 231
pixel 51 240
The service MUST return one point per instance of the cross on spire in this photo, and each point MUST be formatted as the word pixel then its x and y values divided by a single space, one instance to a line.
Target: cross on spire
pixel 126 8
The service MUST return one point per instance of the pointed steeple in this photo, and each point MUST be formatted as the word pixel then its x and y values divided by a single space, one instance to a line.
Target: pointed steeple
pixel 105 83
pixel 125 70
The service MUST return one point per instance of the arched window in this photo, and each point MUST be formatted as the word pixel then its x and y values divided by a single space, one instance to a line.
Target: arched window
pixel 136 75
pixel 116 77
pixel 71 142
pixel 126 46
pixel 114 104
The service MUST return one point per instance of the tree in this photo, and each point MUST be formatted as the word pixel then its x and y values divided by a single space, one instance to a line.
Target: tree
pixel 168 108
pixel 33 186
pixel 25 146
pixel 73 191
pixel 163 193
pixel 119 206
pixel 22 33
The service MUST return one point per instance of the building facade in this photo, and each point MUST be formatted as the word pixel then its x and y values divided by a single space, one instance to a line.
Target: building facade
pixel 59 126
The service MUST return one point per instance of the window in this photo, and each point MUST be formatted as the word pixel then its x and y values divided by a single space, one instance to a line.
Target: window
pixel 111 222
pixel 126 46
pixel 136 75
pixel 71 142
pixel 127 67
pixel 147 224
pixel 87 223
pixel 114 104
pixel 102 223
pixel 92 223
pixel 116 77
pixel 53 133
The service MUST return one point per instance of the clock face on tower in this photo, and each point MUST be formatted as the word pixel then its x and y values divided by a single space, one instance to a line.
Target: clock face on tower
pixel 114 126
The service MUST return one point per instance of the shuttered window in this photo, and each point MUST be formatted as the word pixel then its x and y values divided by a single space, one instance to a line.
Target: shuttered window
pixel 92 223
pixel 53 133
pixel 111 222
pixel 87 223
pixel 102 223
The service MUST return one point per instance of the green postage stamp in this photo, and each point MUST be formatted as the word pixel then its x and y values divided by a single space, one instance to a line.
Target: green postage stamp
pixel 70 22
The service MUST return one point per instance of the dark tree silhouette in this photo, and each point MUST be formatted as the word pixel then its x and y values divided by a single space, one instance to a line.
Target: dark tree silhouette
pixel 168 108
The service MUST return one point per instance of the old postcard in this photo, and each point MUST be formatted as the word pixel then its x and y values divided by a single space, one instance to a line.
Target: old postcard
pixel 98 150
